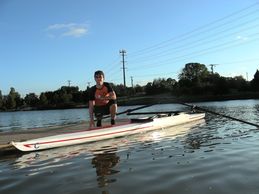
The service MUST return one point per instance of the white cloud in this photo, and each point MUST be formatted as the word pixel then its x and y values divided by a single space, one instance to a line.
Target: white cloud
pixel 76 32
pixel 69 29
pixel 242 38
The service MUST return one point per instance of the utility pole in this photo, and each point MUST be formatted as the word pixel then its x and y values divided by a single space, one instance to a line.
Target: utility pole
pixel 123 52
pixel 69 82
pixel 131 81
pixel 132 85
pixel 246 76
pixel 212 67
pixel 88 84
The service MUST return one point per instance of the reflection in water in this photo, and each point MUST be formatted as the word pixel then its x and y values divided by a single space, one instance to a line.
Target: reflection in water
pixel 104 164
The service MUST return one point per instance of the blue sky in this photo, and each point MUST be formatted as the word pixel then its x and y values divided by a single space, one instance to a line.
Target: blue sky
pixel 43 44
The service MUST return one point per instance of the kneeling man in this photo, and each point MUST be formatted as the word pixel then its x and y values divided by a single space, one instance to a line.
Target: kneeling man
pixel 102 100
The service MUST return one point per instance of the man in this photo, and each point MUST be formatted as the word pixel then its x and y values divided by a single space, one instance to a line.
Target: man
pixel 102 100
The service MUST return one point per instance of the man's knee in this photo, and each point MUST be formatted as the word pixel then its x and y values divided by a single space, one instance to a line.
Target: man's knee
pixel 113 107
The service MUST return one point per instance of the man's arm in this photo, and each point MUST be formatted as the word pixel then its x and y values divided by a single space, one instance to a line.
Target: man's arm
pixel 111 96
pixel 91 113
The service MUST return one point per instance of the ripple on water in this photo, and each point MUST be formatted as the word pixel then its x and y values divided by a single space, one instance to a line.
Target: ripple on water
pixel 219 156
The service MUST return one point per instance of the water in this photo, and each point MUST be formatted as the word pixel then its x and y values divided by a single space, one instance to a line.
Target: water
pixel 16 121
pixel 215 155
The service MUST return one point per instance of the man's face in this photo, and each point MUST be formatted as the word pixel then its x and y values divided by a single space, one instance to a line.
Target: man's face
pixel 99 79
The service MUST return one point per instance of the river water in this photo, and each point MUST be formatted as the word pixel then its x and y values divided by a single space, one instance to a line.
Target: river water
pixel 212 156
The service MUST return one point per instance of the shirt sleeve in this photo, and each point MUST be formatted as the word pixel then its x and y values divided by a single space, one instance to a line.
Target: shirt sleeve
pixel 91 93
pixel 109 87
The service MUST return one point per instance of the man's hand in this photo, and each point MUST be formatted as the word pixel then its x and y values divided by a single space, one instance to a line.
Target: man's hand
pixel 99 97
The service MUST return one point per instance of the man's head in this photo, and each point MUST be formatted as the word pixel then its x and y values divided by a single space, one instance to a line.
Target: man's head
pixel 99 77
pixel 98 73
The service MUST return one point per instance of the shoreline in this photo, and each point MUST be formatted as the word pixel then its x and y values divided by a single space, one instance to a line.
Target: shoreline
pixel 168 98
pixel 164 98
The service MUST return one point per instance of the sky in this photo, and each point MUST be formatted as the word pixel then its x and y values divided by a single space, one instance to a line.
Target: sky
pixel 52 43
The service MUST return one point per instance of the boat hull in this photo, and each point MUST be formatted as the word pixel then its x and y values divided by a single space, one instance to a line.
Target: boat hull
pixel 98 134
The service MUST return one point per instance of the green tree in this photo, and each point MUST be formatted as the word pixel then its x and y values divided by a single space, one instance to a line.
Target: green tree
pixel 193 74
pixel 139 89
pixel 149 88
pixel 85 96
pixel 31 99
pixel 193 79
pixel 70 89
pixel 119 89
pixel 238 83
pixel 65 97
pixel 220 86
pixel 56 98
pixel 43 99
pixel 11 99
pixel 255 81
pixel 78 97
pixel 160 85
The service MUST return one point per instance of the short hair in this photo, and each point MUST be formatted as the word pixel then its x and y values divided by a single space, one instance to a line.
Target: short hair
pixel 99 72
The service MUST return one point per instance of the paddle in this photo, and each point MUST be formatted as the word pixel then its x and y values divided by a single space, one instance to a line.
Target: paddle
pixel 215 113
pixel 148 113
pixel 130 110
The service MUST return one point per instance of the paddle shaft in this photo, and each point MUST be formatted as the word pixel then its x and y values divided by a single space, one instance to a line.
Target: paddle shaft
pixel 138 108
pixel 215 113
pixel 148 113
pixel 130 110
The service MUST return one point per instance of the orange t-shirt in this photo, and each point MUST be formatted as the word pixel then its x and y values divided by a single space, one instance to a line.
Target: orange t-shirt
pixel 95 93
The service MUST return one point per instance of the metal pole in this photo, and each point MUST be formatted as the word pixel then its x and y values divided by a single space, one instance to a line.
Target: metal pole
pixel 123 52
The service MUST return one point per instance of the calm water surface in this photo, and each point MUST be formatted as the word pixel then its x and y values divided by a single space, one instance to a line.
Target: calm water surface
pixel 215 155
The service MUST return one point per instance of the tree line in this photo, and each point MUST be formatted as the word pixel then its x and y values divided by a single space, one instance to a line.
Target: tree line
pixel 194 80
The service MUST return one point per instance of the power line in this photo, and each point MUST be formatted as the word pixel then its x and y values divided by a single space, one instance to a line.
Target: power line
pixel 216 36
pixel 202 41
pixel 163 49
pixel 215 48
pixel 111 66
pixel 155 46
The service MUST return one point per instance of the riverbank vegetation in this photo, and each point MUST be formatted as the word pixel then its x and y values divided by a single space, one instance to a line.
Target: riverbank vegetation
pixel 195 83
